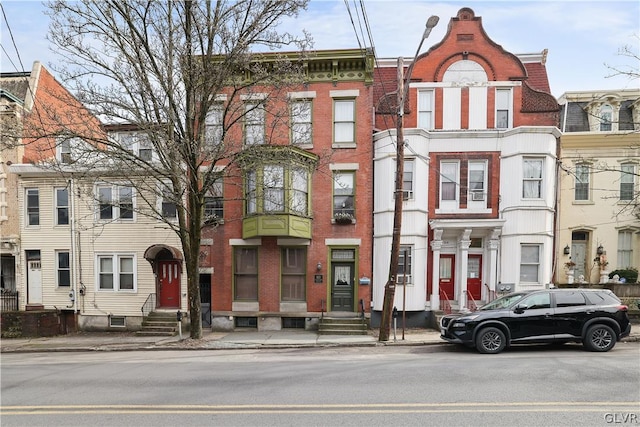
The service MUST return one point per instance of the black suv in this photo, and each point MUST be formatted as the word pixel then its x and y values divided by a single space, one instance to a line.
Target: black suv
pixel 594 317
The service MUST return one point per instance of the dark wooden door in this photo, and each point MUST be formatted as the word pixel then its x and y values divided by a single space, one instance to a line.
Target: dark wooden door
pixel 342 287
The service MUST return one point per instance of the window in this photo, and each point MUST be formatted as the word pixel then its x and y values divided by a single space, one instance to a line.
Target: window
pixel 168 207
pixel 62 206
pixel 246 274
pixel 627 182
pixel 299 191
pixel 273 188
pixel 582 182
pixel 606 116
pixel 250 192
pixel 254 124
pixel 404 265
pixel 115 202
pixel 343 193
pixel 625 249
pixel 33 206
pixel 407 179
pixel 569 299
pixel 529 263
pixel 214 202
pixel 137 143
pixel 537 301
pixel 63 268
pixel 294 263
pixel 214 125
pixel 477 177
pixel 532 179
pixel 64 151
pixel 301 129
pixel 448 181
pixel 503 108
pixel 116 272
pixel 425 109
pixel 344 124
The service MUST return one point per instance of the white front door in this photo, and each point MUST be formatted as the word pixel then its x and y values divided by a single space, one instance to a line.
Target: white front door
pixel 34 279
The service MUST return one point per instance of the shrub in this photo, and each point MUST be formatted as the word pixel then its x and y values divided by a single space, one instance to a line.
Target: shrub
pixel 630 274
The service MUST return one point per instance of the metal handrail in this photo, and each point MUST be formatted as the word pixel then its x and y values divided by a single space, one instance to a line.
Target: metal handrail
pixel 445 304
pixel 149 305
pixel 323 302
pixel 362 309
pixel 491 295
pixel 9 300
pixel 471 302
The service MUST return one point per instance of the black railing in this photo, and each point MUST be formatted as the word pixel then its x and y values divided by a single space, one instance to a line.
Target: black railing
pixel 9 300
pixel 149 305
pixel 362 310
pixel 323 303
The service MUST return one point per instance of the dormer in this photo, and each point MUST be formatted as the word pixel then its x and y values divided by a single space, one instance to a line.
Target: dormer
pixel 603 113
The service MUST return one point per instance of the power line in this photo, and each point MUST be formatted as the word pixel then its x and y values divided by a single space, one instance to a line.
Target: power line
pixel 4 15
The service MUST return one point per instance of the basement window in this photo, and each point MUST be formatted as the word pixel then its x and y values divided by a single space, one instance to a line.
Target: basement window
pixel 116 322
pixel 246 322
pixel 293 323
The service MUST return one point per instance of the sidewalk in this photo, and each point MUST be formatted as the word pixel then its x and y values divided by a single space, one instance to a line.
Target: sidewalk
pixel 129 341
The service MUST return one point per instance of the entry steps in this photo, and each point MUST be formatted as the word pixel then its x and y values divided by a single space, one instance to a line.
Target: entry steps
pixel 351 324
pixel 159 324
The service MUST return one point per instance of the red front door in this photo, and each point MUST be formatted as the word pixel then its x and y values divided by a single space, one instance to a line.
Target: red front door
pixel 447 278
pixel 169 283
pixel 474 277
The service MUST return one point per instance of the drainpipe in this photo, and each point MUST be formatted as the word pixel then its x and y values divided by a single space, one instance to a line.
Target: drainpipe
pixel 72 222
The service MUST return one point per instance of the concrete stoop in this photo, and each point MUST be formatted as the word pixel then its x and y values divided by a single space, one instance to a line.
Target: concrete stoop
pixel 339 325
pixel 159 324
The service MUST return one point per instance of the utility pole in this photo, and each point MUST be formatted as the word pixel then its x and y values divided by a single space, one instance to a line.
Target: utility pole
pixel 390 287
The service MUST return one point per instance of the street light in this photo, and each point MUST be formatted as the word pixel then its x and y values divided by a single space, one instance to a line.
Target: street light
pixel 403 90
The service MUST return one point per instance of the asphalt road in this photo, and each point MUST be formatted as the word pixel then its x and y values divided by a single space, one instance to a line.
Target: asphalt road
pixel 403 386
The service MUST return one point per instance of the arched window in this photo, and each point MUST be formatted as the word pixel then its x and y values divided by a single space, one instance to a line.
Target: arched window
pixel 606 115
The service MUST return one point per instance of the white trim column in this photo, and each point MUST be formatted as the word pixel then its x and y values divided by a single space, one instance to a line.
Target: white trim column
pixel 464 243
pixel 494 240
pixel 436 246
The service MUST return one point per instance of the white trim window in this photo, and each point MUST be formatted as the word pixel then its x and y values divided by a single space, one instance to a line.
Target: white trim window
pixel 627 181
pixel 344 121
pixel 425 109
pixel 504 109
pixel 254 124
pixel 63 151
pixel 115 202
pixel 405 269
pixel 449 184
pixel 32 196
pixel 166 204
pixel 63 269
pixel 62 206
pixel 299 191
pixel 606 118
pixel 301 124
pixel 407 179
pixel 532 178
pixel 344 193
pixel 477 182
pixel 582 178
pixel 116 272
pixel 625 249
pixel 530 263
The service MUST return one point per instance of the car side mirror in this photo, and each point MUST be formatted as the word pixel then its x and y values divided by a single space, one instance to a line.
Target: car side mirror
pixel 520 308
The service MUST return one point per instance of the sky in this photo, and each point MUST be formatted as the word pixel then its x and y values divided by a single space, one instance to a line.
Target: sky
pixel 583 38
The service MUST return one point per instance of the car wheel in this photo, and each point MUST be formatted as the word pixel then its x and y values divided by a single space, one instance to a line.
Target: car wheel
pixel 600 338
pixel 490 341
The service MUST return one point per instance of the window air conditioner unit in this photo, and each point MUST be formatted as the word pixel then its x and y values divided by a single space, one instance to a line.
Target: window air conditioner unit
pixel 406 195
pixel 477 196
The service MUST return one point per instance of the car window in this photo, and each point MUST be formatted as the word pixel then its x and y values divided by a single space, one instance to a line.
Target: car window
pixel 569 299
pixel 602 298
pixel 541 300
pixel 502 302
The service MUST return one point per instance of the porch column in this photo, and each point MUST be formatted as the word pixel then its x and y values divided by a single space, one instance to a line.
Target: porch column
pixel 465 242
pixel 493 262
pixel 436 246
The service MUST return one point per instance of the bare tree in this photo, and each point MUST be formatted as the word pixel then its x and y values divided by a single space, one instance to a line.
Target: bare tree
pixel 164 68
